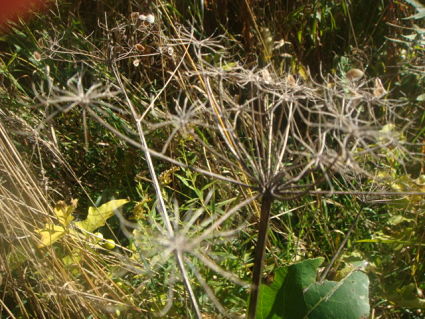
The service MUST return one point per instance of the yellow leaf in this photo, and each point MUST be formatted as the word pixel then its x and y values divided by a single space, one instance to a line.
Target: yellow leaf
pixel 64 212
pixel 97 217
pixel 50 234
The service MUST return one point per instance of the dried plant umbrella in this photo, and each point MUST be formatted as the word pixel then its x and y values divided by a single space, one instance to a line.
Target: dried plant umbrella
pixel 276 137
pixel 282 141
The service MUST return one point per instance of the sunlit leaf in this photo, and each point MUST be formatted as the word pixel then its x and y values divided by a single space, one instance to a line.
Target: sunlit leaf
pixel 295 294
pixel 64 212
pixel 97 217
pixel 50 234
pixel 398 219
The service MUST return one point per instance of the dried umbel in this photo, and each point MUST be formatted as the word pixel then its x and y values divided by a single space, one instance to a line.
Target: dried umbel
pixel 283 138
pixel 263 135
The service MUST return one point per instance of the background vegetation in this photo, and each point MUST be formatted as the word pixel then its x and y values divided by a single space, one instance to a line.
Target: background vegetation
pixel 215 89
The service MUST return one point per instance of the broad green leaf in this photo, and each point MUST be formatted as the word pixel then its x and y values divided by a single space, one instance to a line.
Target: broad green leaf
pixel 275 301
pixel 266 307
pixel 295 294
pixel 97 217
pixel 346 299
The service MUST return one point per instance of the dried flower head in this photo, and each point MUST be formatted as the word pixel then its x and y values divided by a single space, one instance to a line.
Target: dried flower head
pixel 37 56
pixel 194 235
pixel 150 18
pixel 379 90
pixel 134 16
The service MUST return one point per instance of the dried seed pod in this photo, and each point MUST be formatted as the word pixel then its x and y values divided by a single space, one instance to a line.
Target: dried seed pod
pixel 354 74
pixel 136 62
pixel 37 56
pixel 379 89
pixel 290 80
pixel 134 16
pixel 139 47
pixel 150 18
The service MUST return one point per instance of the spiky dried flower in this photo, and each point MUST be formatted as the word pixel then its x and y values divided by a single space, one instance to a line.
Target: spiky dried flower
pixel 195 233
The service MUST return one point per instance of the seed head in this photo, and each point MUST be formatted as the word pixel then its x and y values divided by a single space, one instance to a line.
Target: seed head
pixel 354 74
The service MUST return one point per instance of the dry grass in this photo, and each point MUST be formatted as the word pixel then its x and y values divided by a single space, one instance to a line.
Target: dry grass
pixel 37 282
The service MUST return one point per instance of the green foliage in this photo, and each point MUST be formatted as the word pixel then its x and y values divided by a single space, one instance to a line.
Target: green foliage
pixel 295 294
pixel 402 236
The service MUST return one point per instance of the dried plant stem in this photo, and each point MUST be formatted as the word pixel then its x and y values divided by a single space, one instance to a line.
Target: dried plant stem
pixel 188 286
pixel 161 203
pixel 263 226
pixel 160 155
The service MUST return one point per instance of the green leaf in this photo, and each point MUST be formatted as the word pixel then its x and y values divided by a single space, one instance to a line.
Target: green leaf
pixel 266 307
pixel 346 299
pixel 229 66
pixel 295 294
pixel 97 217
pixel 398 219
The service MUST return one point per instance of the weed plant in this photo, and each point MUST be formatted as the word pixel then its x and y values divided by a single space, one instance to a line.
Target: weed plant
pixel 229 153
